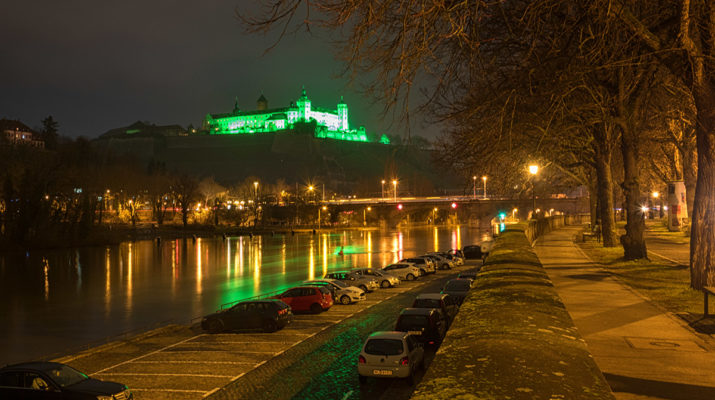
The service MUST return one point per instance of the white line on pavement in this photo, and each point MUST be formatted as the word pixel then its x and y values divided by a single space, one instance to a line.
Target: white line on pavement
pixel 167 390
pixel 162 374
pixel 147 354
pixel 193 362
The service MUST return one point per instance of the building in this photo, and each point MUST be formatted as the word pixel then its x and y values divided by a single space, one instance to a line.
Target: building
pixel 16 133
pixel 330 124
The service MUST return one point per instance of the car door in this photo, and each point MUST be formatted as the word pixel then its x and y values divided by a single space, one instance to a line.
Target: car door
pixel 30 385
pixel 252 317
pixel 233 319
pixel 291 297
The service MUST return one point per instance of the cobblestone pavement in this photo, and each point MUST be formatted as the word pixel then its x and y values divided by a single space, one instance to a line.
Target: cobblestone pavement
pixel 311 355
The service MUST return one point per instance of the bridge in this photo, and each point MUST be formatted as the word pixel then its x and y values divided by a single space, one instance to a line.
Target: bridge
pixel 400 211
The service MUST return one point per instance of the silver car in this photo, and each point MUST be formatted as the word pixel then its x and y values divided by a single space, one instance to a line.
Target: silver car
pixel 403 270
pixel 386 279
pixel 390 354
pixel 441 261
pixel 344 294
pixel 367 284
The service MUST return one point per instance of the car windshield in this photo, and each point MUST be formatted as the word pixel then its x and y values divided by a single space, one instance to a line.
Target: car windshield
pixel 457 285
pixel 411 322
pixel 388 347
pixel 426 303
pixel 66 376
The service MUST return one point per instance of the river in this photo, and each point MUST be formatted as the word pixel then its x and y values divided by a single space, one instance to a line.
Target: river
pixel 54 302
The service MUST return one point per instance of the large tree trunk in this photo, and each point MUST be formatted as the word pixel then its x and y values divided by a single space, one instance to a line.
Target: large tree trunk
pixel 634 240
pixel 593 201
pixel 690 175
pixel 604 180
pixel 702 236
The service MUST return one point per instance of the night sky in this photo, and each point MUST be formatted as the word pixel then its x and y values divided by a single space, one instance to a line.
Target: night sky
pixel 97 65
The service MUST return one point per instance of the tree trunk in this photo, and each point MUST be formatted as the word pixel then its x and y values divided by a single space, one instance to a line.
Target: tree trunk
pixel 604 181
pixel 690 175
pixel 702 235
pixel 593 200
pixel 633 241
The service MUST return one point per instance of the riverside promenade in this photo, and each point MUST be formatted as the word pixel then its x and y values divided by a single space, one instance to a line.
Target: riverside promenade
pixel 644 351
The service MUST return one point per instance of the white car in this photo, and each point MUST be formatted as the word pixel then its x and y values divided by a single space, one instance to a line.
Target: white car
pixel 366 283
pixel 344 294
pixel 441 261
pixel 385 279
pixel 403 270
pixel 390 354
pixel 424 263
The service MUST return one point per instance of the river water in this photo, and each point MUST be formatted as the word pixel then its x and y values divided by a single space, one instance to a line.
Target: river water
pixel 54 302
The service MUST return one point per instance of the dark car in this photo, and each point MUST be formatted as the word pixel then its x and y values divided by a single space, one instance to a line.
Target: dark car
pixel 426 324
pixel 307 298
pixel 50 380
pixel 269 315
pixel 470 274
pixel 457 288
pixel 443 302
pixel 472 252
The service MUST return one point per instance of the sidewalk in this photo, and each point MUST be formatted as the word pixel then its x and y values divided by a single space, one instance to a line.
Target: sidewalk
pixel 643 351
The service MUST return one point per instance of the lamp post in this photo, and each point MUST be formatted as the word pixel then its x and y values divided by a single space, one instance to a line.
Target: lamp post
pixel 394 184
pixel 513 214
pixel 484 179
pixel 533 170
pixel 320 208
pixel 383 189
pixel 656 195
pixel 434 216
pixel 311 188
pixel 364 216
pixel 474 187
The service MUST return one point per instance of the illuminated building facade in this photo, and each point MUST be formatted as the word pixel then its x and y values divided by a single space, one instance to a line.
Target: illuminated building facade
pixel 330 124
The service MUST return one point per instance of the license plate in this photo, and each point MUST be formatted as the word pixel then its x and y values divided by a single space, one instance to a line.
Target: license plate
pixel 381 372
pixel 414 332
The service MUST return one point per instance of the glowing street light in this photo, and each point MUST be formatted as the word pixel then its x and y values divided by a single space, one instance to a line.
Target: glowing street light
pixel 255 187
pixel 394 184
pixel 434 215
pixel 364 216
pixel 533 170
pixel 513 213
pixel 383 188
pixel 484 179
pixel 321 208
pixel 474 187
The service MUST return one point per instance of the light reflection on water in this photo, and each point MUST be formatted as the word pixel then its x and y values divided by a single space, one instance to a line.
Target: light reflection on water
pixel 53 301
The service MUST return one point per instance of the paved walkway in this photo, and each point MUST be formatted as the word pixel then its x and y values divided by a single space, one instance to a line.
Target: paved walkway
pixel 643 351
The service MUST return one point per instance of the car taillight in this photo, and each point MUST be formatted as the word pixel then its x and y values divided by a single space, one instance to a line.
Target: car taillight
pixel 431 342
pixel 362 360
pixel 283 311
pixel 404 361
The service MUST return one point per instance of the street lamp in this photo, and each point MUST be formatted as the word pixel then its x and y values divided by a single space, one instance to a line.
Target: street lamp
pixel 364 216
pixel 474 187
pixel 484 179
pixel 513 214
pixel 533 170
pixel 311 188
pixel 394 184
pixel 255 187
pixel 383 189
pixel 434 216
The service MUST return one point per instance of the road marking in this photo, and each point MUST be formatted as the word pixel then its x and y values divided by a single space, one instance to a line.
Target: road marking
pixel 162 374
pixel 221 351
pixel 194 362
pixel 168 390
pixel 148 354
pixel 347 395
pixel 238 342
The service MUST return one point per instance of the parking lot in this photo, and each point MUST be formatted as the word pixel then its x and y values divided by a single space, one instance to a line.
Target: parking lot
pixel 183 362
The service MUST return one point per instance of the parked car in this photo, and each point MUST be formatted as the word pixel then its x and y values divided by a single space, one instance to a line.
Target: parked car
pixel 456 253
pixel 441 261
pixel 445 303
pixel 51 380
pixel 403 270
pixel 469 274
pixel 307 298
pixel 458 288
pixel 425 264
pixel 426 324
pixel 472 252
pixel 341 292
pixel 457 260
pixel 269 315
pixel 385 279
pixel 389 354
pixel 367 284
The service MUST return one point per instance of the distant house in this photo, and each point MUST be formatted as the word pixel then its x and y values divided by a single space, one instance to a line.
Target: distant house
pixel 16 133
pixel 144 129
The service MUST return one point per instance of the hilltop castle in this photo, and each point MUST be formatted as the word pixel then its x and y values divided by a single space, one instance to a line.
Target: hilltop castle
pixel 332 124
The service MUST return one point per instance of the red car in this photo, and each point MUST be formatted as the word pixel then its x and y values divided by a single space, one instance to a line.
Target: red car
pixel 307 298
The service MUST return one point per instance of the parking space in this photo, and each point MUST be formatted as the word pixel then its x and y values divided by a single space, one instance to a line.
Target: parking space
pixel 193 364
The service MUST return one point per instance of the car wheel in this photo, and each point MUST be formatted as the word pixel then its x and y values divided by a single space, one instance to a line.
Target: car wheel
pixel 362 379
pixel 270 326
pixel 345 299
pixel 316 308
pixel 410 277
pixel 385 284
pixel 215 326
pixel 364 288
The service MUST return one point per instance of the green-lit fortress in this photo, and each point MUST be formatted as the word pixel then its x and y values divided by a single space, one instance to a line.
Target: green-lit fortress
pixel 331 124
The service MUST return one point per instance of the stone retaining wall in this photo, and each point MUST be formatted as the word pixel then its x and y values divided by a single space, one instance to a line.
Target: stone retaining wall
pixel 513 338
